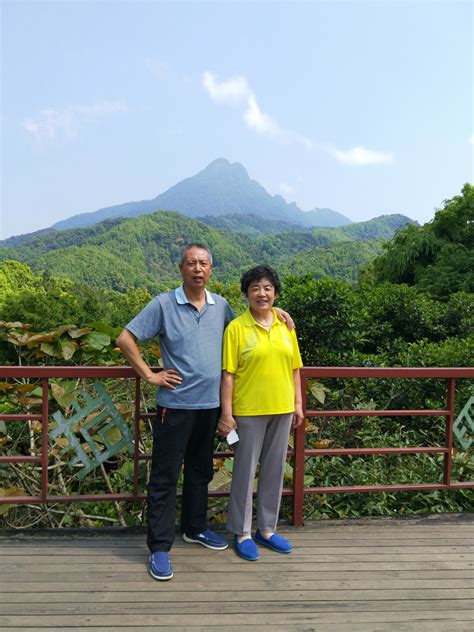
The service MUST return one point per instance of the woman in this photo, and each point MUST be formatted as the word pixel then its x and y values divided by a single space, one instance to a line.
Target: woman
pixel 261 399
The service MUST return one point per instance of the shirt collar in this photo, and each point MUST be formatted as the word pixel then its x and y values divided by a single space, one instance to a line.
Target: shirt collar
pixel 181 298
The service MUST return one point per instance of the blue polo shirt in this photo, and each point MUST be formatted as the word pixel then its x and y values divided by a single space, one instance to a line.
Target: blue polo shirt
pixel 190 343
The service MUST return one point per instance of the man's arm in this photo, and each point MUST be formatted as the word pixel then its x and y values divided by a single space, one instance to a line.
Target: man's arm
pixel 168 378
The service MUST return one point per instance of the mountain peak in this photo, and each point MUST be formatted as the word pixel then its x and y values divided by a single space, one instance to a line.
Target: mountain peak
pixel 218 163
pixel 219 189
pixel 221 166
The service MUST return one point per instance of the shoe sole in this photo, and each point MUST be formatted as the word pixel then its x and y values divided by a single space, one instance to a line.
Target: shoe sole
pixel 208 546
pixel 161 578
pixel 272 548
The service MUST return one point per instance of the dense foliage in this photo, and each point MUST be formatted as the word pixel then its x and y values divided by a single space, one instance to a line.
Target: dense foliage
pixel 404 311
pixel 143 252
pixel 436 257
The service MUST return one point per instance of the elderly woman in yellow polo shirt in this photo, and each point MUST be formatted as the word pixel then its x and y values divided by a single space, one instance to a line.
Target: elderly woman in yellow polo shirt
pixel 261 400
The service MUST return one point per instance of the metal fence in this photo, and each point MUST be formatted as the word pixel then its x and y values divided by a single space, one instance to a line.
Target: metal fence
pixel 299 454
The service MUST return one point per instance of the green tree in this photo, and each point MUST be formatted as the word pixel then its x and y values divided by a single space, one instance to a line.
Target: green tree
pixel 325 318
pixel 437 257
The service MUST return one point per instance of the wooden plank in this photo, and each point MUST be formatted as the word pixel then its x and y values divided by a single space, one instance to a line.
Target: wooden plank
pixel 454 589
pixel 178 596
pixel 60 548
pixel 226 605
pixel 418 626
pixel 299 551
pixel 182 581
pixel 304 618
pixel 350 594
pixel 78 572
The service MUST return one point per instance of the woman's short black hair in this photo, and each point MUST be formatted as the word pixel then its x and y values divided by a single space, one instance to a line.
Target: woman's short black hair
pixel 257 273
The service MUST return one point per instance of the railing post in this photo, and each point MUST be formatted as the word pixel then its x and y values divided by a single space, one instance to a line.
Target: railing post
pixel 448 457
pixel 298 466
pixel 44 439
pixel 136 436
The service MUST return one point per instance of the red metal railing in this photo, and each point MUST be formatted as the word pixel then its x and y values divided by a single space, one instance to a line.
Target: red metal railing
pixel 299 453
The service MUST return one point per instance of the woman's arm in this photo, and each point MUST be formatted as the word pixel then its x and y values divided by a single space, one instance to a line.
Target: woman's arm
pixel 298 416
pixel 226 420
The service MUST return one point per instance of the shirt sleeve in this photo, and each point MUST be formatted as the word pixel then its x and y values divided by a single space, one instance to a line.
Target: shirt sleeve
pixel 229 314
pixel 230 350
pixel 149 322
pixel 297 362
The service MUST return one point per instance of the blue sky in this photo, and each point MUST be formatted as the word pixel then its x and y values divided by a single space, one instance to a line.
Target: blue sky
pixel 362 107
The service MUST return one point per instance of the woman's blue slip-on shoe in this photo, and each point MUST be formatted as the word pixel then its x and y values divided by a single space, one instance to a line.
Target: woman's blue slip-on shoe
pixel 160 566
pixel 247 549
pixel 275 542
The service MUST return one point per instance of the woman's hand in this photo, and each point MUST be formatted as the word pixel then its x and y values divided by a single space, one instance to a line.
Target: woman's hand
pixel 298 417
pixel 285 318
pixel 225 424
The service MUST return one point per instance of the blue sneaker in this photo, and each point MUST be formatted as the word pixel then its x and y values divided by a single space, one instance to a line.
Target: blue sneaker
pixel 160 566
pixel 207 538
pixel 247 549
pixel 275 542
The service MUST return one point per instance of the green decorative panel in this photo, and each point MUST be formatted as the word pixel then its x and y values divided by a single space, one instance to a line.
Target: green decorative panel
pixel 464 425
pixel 108 425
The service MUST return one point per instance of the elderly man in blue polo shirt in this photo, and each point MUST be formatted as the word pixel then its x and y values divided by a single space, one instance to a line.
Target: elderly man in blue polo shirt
pixel 190 322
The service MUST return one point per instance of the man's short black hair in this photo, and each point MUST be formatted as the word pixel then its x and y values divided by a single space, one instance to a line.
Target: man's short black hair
pixel 257 273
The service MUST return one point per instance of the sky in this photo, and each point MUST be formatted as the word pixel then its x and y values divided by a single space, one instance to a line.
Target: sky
pixel 362 107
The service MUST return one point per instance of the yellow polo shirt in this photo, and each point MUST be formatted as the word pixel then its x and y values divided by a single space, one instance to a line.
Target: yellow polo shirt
pixel 262 363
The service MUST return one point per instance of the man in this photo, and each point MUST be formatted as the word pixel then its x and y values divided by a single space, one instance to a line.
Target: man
pixel 190 322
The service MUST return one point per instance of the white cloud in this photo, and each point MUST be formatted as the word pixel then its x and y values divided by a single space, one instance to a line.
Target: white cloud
pixel 361 156
pixel 52 125
pixel 258 120
pixel 231 92
pixel 236 91
pixel 285 188
pixel 471 139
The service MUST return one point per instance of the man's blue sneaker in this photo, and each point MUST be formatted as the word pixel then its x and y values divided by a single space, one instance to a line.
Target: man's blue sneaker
pixel 247 549
pixel 160 566
pixel 275 542
pixel 207 538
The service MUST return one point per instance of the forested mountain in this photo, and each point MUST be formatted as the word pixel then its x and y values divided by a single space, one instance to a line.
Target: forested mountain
pixel 144 251
pixel 249 224
pixel 221 188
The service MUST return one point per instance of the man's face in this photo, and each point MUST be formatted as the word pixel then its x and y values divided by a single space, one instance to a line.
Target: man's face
pixel 196 268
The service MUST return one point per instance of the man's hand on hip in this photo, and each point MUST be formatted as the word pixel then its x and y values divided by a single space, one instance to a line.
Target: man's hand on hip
pixel 168 378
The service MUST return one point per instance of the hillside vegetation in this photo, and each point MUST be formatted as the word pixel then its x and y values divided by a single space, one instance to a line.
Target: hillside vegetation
pixel 437 257
pixel 144 251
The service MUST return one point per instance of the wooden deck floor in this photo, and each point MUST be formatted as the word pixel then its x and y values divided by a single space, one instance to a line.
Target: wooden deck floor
pixel 375 574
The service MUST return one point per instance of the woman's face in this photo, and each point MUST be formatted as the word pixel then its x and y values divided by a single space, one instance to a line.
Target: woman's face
pixel 261 295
